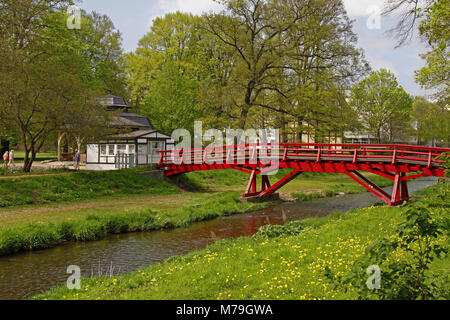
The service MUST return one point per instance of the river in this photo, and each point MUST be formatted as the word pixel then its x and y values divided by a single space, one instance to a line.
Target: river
pixel 25 275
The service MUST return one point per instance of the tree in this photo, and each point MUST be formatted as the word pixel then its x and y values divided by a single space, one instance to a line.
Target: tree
pixel 411 13
pixel 431 122
pixel 105 52
pixel 383 105
pixel 432 18
pixel 435 28
pixel 258 63
pixel 173 101
pixel 287 54
pixel 167 71
pixel 48 78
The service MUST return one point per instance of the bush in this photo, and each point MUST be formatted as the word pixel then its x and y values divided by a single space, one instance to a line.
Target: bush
pixel 405 258
pixel 275 231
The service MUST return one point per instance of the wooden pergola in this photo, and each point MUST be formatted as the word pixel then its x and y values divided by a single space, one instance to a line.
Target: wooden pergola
pixel 64 133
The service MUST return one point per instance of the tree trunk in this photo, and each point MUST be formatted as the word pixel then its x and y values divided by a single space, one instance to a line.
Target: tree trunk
pixel 243 118
pixel 283 128
pixel 29 159
pixel 299 130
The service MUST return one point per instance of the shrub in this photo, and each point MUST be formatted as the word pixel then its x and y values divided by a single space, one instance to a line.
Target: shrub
pixel 405 259
pixel 274 231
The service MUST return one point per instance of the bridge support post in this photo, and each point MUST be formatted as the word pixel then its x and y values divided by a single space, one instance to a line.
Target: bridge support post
pixel 267 189
pixel 400 192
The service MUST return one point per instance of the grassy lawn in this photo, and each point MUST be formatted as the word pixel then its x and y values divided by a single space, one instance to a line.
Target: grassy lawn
pixel 39 190
pixel 41 212
pixel 306 183
pixel 43 156
pixel 289 266
pixel 90 227
pixel 69 211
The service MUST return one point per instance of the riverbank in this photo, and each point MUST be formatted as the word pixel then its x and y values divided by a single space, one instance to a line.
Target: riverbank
pixel 165 206
pixel 278 263
pixel 97 226
pixel 45 189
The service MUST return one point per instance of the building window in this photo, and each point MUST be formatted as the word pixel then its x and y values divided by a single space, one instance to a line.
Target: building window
pixel 131 149
pixel 103 151
pixel 157 146
pixel 142 149
pixel 111 151
pixel 122 148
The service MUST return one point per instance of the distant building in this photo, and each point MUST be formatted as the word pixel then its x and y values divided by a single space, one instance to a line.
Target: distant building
pixel 359 138
pixel 138 146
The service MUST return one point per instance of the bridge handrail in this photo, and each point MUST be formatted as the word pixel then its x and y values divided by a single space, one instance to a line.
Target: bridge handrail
pixel 359 151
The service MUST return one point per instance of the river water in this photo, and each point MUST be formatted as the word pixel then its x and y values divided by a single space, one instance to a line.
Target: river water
pixel 25 275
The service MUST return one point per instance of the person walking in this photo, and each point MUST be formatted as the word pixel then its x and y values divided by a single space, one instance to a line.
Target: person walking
pixel 77 160
pixel 11 159
pixel 5 159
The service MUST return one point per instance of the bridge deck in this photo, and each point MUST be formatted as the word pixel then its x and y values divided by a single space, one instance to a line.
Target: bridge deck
pixel 390 161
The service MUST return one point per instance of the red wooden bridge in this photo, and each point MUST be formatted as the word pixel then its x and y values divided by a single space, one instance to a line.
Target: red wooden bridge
pixel 400 163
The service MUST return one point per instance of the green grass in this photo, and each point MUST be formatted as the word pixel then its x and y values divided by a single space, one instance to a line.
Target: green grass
pixel 96 226
pixel 278 263
pixel 42 156
pixel 38 212
pixel 305 187
pixel 75 187
pixel 41 190
pixel 17 171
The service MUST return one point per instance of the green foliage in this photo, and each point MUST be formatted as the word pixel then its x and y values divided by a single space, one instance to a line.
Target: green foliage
pixel 384 106
pixel 248 65
pixel 446 158
pixel 435 28
pixel 167 71
pixel 432 122
pixel 172 90
pixel 50 75
pixel 406 257
pixel 274 231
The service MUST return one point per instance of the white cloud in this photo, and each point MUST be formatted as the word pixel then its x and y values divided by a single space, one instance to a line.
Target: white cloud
pixel 378 64
pixel 360 8
pixel 197 7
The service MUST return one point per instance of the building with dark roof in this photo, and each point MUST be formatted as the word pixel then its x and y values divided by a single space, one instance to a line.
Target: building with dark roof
pixel 138 145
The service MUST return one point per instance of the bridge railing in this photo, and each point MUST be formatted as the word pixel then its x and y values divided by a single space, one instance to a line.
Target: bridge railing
pixel 263 153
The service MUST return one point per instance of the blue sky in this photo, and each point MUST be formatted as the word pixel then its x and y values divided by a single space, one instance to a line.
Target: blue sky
pixel 134 18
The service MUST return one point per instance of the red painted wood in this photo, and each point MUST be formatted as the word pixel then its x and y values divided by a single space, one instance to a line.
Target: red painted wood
pixel 389 161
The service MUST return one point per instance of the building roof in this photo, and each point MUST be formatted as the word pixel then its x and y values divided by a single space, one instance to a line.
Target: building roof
pixel 125 119
pixel 134 134
pixel 140 121
pixel 126 123
pixel 112 101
